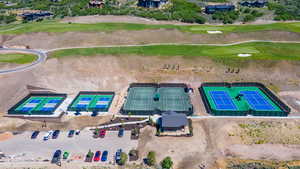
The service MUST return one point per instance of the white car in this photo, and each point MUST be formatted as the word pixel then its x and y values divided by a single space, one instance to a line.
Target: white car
pixel 48 135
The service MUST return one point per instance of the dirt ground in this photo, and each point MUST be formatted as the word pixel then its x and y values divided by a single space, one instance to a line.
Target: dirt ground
pixel 117 19
pixel 212 141
pixel 42 40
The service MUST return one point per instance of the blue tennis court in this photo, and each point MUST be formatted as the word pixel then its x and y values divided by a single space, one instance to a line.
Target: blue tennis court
pixel 104 99
pixel 222 100
pixel 26 109
pixel 47 109
pixel 86 99
pixel 101 106
pixel 256 100
pixel 54 101
pixel 35 101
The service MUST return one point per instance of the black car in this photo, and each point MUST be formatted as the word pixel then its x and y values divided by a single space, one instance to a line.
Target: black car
pixel 56 157
pixel 35 134
pixel 55 134
pixel 71 133
pixel 118 155
pixel 121 132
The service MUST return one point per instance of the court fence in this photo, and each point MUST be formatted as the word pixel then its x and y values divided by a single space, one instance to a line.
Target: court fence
pixel 13 111
pixel 285 110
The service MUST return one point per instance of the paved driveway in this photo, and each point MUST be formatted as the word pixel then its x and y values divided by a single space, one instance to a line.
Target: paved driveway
pixel 22 148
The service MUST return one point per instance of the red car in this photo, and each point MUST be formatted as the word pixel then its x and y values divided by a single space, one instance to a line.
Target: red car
pixel 97 156
pixel 102 133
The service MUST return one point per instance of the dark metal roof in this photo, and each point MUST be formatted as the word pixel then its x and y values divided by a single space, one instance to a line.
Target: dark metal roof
pixel 173 119
pixel 219 6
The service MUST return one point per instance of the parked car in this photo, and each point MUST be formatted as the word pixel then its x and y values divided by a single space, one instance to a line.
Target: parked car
pixel 89 157
pixel 77 132
pixel 121 132
pixel 71 133
pixel 118 155
pixel 97 156
pixel 55 134
pixel 102 133
pixel 48 135
pixel 56 157
pixel 104 156
pixel 66 155
pixel 35 134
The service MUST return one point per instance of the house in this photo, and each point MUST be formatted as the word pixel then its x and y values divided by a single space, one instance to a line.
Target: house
pixel 30 16
pixel 172 121
pixel 256 3
pixel 151 3
pixel 210 9
pixel 96 3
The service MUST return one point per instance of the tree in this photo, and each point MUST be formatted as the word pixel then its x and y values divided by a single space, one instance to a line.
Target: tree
pixel 123 159
pixel 151 159
pixel 166 163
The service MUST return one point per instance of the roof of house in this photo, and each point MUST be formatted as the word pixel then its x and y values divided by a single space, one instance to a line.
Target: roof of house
pixel 254 1
pixel 219 6
pixel 173 119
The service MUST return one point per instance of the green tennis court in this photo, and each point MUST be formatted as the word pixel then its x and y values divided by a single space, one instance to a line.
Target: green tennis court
pixel 38 104
pixel 92 102
pixel 155 100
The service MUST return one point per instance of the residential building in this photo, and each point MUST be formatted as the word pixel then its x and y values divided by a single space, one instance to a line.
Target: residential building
pixel 210 9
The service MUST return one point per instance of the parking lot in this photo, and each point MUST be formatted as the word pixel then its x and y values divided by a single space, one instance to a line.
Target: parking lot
pixel 22 148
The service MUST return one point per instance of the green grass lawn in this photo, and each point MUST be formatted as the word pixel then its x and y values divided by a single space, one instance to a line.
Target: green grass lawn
pixel 223 54
pixel 18 58
pixel 55 26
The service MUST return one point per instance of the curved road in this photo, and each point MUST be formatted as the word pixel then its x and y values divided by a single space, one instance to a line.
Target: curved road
pixel 42 55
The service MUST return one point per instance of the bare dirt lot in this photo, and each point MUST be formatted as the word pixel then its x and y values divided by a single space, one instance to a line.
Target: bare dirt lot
pixel 213 141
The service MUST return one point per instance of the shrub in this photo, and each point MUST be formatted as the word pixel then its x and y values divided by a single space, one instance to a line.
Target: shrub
pixel 151 158
pixel 123 159
pixel 226 17
pixel 166 163
pixel 248 18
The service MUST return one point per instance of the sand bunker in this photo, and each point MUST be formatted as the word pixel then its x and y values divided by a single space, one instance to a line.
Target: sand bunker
pixel 244 55
pixel 214 32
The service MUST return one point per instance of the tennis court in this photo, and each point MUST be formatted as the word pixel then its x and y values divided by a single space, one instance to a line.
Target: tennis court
pixel 256 101
pixel 92 102
pixel 240 100
pixel 146 100
pixel 38 104
pixel 222 100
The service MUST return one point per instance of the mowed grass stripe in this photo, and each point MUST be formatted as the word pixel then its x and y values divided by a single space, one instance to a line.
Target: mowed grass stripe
pixel 258 50
pixel 55 26
pixel 18 58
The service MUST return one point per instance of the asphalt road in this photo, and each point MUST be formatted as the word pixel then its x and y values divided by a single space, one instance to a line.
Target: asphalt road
pixel 42 56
